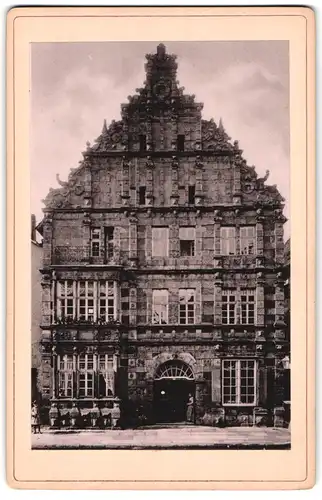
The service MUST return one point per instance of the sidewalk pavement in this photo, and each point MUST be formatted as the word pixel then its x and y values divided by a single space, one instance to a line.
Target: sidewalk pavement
pixel 185 437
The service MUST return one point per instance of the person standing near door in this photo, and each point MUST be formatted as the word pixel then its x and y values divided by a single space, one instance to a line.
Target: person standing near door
pixel 35 418
pixel 190 405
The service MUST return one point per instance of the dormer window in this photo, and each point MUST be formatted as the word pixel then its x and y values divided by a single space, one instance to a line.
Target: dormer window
pixel 180 142
pixel 142 140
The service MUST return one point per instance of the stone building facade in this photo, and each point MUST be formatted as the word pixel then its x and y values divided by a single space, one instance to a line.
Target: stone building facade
pixel 36 290
pixel 162 269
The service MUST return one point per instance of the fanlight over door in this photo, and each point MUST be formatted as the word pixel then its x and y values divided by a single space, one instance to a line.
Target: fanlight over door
pixel 174 370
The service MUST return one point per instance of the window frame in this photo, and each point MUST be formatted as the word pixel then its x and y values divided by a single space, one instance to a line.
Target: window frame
pixel 154 228
pixel 238 378
pixel 229 292
pixel 245 305
pixel 96 239
pixel 65 374
pixel 191 241
pixel 64 301
pixel 85 372
pixel 166 322
pixel 108 373
pixel 245 238
pixel 185 306
pixel 228 241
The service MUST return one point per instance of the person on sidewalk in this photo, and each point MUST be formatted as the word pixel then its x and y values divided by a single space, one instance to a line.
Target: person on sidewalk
pixel 35 418
pixel 190 405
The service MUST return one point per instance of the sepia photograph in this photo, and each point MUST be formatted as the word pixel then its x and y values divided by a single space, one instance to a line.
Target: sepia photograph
pixel 160 245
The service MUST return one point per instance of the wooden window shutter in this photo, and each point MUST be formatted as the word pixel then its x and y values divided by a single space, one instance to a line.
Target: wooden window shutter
pixel 216 384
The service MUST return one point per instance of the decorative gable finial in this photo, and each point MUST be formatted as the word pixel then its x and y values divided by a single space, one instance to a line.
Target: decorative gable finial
pixel 221 125
pixel 161 50
pixel 104 129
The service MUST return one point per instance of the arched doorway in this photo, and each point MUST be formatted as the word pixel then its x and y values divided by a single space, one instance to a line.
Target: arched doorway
pixel 173 382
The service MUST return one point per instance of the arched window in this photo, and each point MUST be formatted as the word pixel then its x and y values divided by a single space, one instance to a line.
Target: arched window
pixel 174 370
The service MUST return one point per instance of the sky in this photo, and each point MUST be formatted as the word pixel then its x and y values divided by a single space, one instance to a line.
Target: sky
pixel 75 86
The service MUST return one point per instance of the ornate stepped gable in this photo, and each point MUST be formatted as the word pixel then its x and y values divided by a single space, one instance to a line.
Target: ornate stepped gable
pixel 161 96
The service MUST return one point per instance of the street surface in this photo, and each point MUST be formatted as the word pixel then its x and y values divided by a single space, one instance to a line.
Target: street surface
pixel 192 437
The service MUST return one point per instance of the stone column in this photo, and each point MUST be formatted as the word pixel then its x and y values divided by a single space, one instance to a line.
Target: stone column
pixel 260 309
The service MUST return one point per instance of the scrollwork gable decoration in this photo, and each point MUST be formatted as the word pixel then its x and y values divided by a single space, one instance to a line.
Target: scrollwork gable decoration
pixel 214 137
pixel 70 194
pixel 112 138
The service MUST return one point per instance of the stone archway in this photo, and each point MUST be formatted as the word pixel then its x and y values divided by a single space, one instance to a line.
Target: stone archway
pixel 174 384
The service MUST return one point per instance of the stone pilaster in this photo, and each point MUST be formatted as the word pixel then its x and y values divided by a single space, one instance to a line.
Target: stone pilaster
pixel 87 237
pixel 87 184
pixel 218 298
pixel 55 388
pixel 125 191
pixel 149 306
pixel 279 240
pixel 132 306
pixel 217 224
pixel 259 234
pixel 149 181
pixel 174 181
pixel 174 240
pixel 47 240
pixel 133 238
pixel 198 306
pixel 260 309
pixel 237 196
pixel 199 181
pixel 46 312
pixel 148 243
pixel 279 303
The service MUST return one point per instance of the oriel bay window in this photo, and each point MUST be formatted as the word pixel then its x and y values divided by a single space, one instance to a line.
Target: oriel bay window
pixel 87 301
pixel 160 307
pixel 66 370
pixel 66 299
pixel 239 382
pixel 86 375
pixel 187 306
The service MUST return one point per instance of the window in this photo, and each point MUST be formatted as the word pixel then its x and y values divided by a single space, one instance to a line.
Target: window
pixel 191 194
pixel 180 142
pixel 65 299
pixel 228 307
pixel 65 375
pixel 187 237
pixel 86 310
pixel 142 192
pixel 86 375
pixel 95 242
pixel 227 241
pixel 186 306
pixel 247 240
pixel 239 382
pixel 142 140
pixel 247 307
pixel 160 307
pixel 160 239
pixel 106 301
pixel 106 375
pixel 109 242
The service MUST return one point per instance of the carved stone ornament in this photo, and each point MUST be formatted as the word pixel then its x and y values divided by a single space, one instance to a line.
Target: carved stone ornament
pixel 214 137
pixel 112 137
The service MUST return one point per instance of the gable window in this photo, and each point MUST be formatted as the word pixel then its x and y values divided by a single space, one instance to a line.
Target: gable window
pixel 142 193
pixel 65 375
pixel 227 241
pixel 106 367
pixel 191 194
pixel 239 382
pixel 187 306
pixel 247 307
pixel 247 240
pixel 109 242
pixel 187 236
pixel 160 307
pixel 66 299
pixel 228 307
pixel 86 375
pixel 95 242
pixel 86 310
pixel 180 142
pixel 142 140
pixel 160 241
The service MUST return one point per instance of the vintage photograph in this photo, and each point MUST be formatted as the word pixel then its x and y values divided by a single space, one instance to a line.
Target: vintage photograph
pixel 160 245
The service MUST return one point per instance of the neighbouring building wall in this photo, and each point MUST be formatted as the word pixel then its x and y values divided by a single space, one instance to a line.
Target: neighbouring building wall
pixel 36 311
